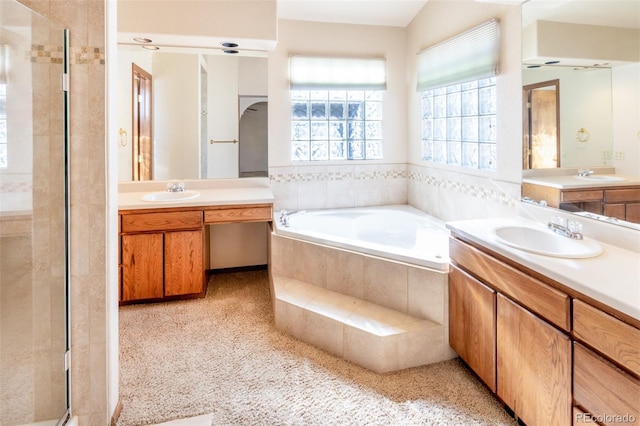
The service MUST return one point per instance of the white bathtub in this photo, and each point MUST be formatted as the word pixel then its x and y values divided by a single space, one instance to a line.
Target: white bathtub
pixel 398 232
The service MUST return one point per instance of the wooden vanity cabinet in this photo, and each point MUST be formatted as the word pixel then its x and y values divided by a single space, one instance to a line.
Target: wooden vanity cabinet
pixel 560 357
pixel 619 202
pixel 162 255
pixel 530 360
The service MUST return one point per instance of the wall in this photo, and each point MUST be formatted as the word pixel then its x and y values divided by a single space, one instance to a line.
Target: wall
pixel 251 23
pixel 92 295
pixel 176 116
pixel 306 185
pixel 626 118
pixel 450 192
pixel 176 124
pixel 579 108
pixel 222 121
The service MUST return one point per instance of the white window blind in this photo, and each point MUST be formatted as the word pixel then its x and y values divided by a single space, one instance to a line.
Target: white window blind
pixel 471 55
pixel 310 73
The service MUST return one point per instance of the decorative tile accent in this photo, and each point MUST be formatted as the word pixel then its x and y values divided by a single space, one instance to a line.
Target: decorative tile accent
pixel 468 189
pixel 84 55
pixel 16 186
pixel 337 176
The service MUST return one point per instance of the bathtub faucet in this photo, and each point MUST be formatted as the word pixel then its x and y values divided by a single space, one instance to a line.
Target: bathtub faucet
pixel 285 215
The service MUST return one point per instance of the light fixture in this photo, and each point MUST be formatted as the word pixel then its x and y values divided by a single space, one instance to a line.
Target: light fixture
pixel 151 47
pixel 142 40
pixel 229 44
pixel 231 51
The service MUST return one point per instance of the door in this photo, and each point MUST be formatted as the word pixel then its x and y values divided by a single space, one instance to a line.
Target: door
pixel 142 124
pixel 142 261
pixel 184 263
pixel 472 324
pixel 541 127
pixel 534 366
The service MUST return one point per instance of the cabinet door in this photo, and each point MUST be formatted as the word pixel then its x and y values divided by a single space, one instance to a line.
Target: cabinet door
pixel 632 212
pixel 533 366
pixel 183 263
pixel 472 324
pixel 615 210
pixel 141 267
pixel 604 390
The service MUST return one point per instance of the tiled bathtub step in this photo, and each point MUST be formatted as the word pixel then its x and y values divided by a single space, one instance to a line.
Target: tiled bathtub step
pixel 364 333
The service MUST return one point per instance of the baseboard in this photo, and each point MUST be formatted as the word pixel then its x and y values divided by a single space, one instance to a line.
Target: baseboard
pixel 116 413
pixel 237 269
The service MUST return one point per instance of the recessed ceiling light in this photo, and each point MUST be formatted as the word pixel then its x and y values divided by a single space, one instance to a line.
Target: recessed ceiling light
pixel 231 51
pixel 151 47
pixel 142 40
pixel 228 44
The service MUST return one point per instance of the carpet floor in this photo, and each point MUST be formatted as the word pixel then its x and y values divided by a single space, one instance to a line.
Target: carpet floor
pixel 222 355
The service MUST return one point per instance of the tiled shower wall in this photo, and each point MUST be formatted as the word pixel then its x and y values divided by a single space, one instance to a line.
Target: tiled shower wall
pixel 88 195
pixel 444 194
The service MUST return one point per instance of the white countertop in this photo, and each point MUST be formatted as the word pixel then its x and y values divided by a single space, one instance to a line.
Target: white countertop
pixel 574 182
pixel 612 278
pixel 208 197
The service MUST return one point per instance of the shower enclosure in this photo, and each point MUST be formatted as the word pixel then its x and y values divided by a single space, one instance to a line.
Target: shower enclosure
pixel 34 296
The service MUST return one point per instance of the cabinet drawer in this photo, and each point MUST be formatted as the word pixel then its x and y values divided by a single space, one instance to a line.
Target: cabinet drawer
pixel 609 335
pixel 162 221
pixel 606 392
pixel 568 196
pixel 549 303
pixel 239 214
pixel 621 195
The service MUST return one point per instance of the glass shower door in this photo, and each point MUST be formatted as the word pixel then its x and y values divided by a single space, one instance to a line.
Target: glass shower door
pixel 34 337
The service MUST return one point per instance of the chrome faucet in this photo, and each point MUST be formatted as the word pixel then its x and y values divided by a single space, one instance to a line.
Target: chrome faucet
pixel 175 187
pixel 567 228
pixel 585 172
pixel 284 216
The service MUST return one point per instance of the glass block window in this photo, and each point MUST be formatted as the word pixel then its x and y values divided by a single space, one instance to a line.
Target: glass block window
pixel 336 125
pixel 4 159
pixel 459 124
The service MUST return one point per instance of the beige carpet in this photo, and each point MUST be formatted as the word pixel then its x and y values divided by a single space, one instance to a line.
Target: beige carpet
pixel 223 355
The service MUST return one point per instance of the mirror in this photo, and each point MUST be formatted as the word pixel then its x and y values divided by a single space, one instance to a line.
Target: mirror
pixel 205 114
pixel 589 52
pixel 583 113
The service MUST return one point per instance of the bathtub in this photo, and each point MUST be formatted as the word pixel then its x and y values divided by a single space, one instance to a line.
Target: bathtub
pixel 399 232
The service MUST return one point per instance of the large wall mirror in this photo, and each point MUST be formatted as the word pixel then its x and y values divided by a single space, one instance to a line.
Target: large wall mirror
pixel 194 115
pixel 580 68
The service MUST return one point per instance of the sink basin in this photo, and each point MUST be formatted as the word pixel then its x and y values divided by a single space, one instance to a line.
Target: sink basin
pixel 602 178
pixel 546 242
pixel 168 197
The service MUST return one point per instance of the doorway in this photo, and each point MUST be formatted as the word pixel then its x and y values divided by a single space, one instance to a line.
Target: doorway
pixel 541 125
pixel 142 126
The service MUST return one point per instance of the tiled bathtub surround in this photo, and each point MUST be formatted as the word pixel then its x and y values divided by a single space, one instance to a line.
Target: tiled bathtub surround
pixel 380 314
pixel 444 194
pixel 338 186
pixel 455 196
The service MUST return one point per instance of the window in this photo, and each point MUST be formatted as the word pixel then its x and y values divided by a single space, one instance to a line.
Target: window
pixel 457 84
pixel 336 108
pixel 336 125
pixel 459 124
